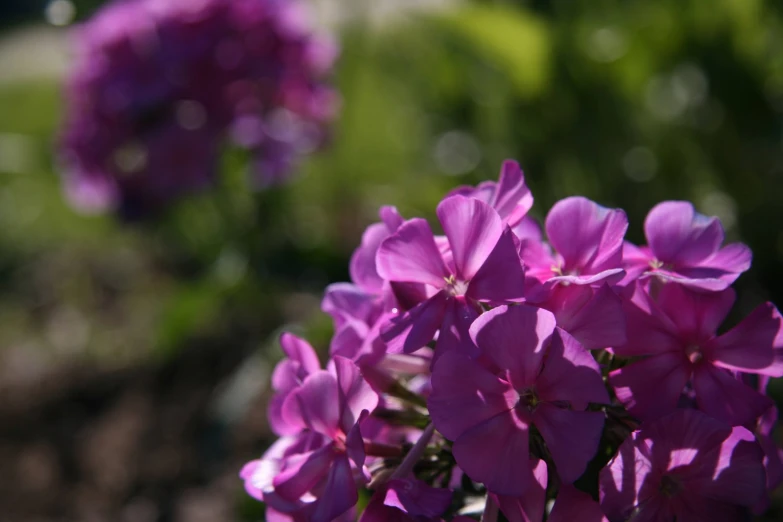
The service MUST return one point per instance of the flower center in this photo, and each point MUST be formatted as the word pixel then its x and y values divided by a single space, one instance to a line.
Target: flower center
pixel 693 353
pixel 529 399
pixel 656 264
pixel 670 486
pixel 456 287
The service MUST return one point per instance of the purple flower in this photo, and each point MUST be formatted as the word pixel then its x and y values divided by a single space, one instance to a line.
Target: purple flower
pixel 685 247
pixel 407 500
pixel 686 466
pixel 510 196
pixel 322 479
pixel 158 86
pixel 588 243
pixel 289 374
pixel 677 335
pixel 536 374
pixel 482 265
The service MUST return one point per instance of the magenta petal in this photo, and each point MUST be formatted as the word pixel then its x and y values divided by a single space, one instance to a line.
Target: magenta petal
pixel 416 327
pixel 530 506
pixel 594 317
pixel 410 255
pixel 570 374
pixel 755 345
pixel 512 198
pixel 677 234
pixel 473 229
pixel 622 479
pixel 501 278
pixel 739 476
pixel 454 331
pixel 303 472
pixel 346 300
pixel 572 504
pixel 299 350
pixel 571 436
pixel 417 498
pixel 514 338
pixel 340 493
pixel 362 266
pixel 651 387
pixel 733 259
pixel 497 453
pixel 355 394
pixel 652 331
pixel 587 235
pixel 315 404
pixel 696 315
pixel 464 394
pixel 723 397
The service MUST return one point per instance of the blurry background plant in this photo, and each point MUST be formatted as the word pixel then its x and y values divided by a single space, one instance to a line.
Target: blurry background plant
pixel 134 357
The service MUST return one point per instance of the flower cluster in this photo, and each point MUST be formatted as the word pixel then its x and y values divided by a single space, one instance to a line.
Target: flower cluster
pixel 492 367
pixel 158 85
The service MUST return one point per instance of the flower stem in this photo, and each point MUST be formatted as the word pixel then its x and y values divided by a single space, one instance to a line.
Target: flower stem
pixel 416 452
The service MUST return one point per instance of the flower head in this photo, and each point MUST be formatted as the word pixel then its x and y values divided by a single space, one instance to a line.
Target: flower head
pixel 158 86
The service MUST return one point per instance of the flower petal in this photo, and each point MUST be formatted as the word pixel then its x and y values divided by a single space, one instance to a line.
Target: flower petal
pixel 593 316
pixel 340 493
pixel 416 327
pixel 572 504
pixel 501 278
pixel 464 394
pixel 723 397
pixel 410 255
pixel 651 387
pixel 755 345
pixel 678 235
pixel 571 436
pixel 473 229
pixel 454 331
pixel 314 405
pixel 496 452
pixel 515 339
pixel 530 506
pixel 587 235
pixel 570 374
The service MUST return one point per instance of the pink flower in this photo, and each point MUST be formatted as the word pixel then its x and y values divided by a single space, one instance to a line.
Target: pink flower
pixel 685 247
pixel 686 466
pixel 483 265
pixel 677 335
pixel 535 374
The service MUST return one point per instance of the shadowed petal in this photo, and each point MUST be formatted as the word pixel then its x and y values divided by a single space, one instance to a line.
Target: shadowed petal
pixel 755 345
pixel 723 397
pixel 354 392
pixel 571 436
pixel 496 453
pixel 594 317
pixel 501 278
pixel 473 229
pixel 416 327
pixel 530 506
pixel 572 505
pixel 315 404
pixel 410 255
pixel 464 394
pixel 696 315
pixel 570 374
pixel 303 472
pixel 651 387
pixel 340 493
pixel 454 331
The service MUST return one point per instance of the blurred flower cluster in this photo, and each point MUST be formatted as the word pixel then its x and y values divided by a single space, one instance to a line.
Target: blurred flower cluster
pixel 500 366
pixel 159 86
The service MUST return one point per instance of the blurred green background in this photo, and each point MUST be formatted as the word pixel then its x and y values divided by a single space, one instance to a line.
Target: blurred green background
pixel 134 358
